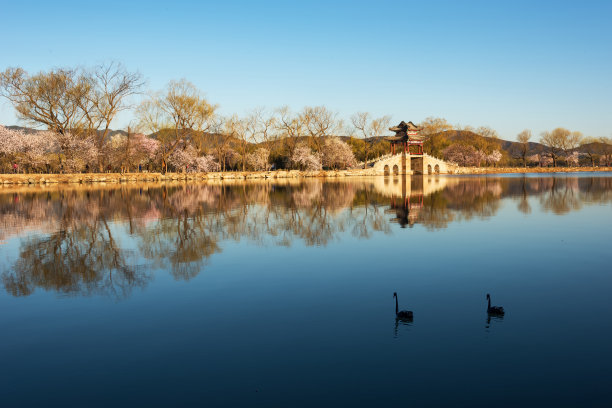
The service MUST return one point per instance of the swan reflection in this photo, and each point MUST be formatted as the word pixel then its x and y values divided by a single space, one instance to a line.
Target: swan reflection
pixel 403 317
pixel 493 318
pixel 401 322
pixel 494 313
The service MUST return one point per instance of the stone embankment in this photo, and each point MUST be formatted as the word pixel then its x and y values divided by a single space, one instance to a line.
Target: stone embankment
pixel 511 170
pixel 86 178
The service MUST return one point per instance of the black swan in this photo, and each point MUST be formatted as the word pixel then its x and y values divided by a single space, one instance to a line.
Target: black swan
pixel 494 310
pixel 401 314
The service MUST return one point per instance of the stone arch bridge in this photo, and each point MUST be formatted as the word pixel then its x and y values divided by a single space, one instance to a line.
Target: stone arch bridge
pixel 412 164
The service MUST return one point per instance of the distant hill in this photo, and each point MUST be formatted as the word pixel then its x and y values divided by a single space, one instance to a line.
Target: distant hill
pixel 512 148
pixel 26 130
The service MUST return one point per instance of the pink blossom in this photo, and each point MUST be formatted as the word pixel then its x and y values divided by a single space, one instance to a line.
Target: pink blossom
pixel 259 160
pixel 461 154
pixel 494 157
pixel 207 163
pixel 573 159
pixel 76 153
pixel 183 157
pixel 305 159
pixel 337 154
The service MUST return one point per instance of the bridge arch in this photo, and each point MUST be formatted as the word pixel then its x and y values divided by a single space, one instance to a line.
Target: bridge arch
pixel 429 169
pixel 395 169
pixel 437 169
pixel 386 170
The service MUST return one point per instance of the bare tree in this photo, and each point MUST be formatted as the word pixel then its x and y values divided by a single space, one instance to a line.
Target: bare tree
pixel 109 87
pixel 320 123
pixel 592 147
pixel 174 115
pixel 523 139
pixel 486 131
pixel 261 130
pixel 574 139
pixel 51 99
pixel 265 125
pixel 291 128
pixel 369 130
pixel 607 150
pixel 555 141
pixel 433 129
pixel 243 131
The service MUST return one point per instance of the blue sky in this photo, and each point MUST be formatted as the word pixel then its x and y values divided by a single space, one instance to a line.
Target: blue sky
pixel 508 65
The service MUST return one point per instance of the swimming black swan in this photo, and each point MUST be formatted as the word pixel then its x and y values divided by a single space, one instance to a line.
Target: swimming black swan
pixel 494 310
pixel 401 314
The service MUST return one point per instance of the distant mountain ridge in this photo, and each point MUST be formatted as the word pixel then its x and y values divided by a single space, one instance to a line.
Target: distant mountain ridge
pixel 28 130
pixel 512 148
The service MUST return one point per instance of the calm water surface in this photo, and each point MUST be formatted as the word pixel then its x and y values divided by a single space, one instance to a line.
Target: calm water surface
pixel 280 293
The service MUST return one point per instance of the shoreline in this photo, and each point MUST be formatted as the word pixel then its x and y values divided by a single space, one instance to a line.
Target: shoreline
pixel 525 170
pixel 120 178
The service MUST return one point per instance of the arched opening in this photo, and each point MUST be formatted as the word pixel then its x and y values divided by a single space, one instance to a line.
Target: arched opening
pixel 437 169
pixel 387 170
pixel 417 165
pixel 429 169
pixel 395 170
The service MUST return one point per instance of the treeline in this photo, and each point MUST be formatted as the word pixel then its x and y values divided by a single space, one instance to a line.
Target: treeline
pixel 178 129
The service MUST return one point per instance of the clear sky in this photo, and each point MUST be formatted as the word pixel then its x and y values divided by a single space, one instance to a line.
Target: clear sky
pixel 509 65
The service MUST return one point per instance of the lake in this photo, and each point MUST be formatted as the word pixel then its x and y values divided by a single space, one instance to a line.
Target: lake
pixel 280 293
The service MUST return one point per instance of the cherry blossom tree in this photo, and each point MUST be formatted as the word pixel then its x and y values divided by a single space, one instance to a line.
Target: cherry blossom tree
pixel 183 158
pixel 132 150
pixel 30 151
pixel 479 157
pixel 573 159
pixel 541 159
pixel 9 141
pixel 304 158
pixel 494 157
pixel 35 150
pixel 337 154
pixel 463 155
pixel 534 158
pixel 75 153
pixel 207 163
pixel 259 159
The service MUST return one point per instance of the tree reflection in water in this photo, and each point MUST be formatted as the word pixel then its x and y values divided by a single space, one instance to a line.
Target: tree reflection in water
pixel 71 238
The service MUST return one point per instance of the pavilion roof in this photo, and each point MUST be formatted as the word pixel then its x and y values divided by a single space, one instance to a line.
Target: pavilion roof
pixel 401 132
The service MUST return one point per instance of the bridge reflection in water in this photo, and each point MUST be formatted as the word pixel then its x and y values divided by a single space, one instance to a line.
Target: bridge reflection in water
pixel 107 239
pixel 407 195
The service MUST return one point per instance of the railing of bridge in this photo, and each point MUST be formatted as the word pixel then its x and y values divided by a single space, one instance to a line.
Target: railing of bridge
pixel 372 161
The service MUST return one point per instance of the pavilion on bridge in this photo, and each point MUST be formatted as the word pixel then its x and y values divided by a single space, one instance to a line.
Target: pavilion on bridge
pixel 406 138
